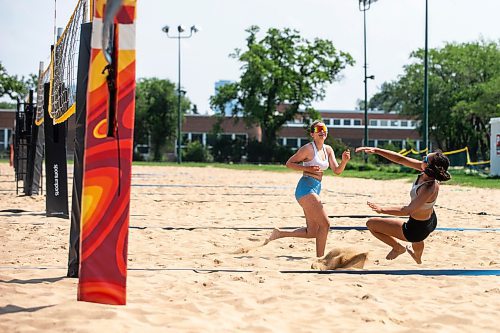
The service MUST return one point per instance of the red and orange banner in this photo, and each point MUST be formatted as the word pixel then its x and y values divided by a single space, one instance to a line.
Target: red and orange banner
pixel 108 163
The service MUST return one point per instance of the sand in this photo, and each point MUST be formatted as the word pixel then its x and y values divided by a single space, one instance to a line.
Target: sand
pixel 171 286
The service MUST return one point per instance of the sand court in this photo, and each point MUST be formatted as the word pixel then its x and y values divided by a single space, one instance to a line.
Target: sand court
pixel 196 260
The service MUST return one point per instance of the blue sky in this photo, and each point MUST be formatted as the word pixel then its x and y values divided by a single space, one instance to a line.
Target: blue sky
pixel 394 29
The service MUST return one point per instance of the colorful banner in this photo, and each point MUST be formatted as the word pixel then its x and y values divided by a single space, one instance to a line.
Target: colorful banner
pixel 107 162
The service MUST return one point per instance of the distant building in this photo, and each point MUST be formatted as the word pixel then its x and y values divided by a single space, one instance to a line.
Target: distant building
pixel 7 125
pixel 228 108
pixel 7 117
pixel 346 125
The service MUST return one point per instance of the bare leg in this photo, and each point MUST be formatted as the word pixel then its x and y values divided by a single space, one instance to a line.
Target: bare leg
pixel 308 232
pixel 316 221
pixel 415 250
pixel 299 233
pixel 322 234
pixel 388 230
pixel 313 208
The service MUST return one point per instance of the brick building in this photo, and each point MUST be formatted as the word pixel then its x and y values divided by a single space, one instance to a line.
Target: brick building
pixel 347 125
pixel 7 118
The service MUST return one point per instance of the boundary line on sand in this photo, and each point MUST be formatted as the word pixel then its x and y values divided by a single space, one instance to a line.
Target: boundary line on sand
pixel 424 272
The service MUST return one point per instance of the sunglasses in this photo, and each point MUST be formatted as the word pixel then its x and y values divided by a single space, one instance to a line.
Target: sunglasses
pixel 319 128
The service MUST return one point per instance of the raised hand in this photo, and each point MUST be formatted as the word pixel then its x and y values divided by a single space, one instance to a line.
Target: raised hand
pixel 346 155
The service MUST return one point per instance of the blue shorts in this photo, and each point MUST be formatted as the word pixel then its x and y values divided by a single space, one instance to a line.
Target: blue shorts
pixel 307 185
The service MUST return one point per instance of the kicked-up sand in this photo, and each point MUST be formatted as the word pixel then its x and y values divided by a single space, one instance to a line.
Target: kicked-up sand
pixel 196 260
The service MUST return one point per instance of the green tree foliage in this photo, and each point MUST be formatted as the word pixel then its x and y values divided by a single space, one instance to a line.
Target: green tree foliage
pixel 6 105
pixel 195 152
pixel 226 150
pixel 258 152
pixel 14 87
pixel 156 114
pixel 464 93
pixel 281 69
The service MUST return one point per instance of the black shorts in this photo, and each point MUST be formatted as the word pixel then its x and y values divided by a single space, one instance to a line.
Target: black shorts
pixel 416 231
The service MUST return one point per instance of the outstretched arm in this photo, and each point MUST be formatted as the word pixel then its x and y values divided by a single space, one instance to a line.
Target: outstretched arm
pixel 393 157
pixel 424 195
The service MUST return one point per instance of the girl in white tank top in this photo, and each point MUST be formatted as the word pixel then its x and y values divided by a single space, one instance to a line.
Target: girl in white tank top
pixel 309 187
pixel 317 161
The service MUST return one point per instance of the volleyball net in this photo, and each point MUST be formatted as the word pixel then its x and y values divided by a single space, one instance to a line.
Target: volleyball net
pixel 458 157
pixel 61 73
pixel 43 78
pixel 65 64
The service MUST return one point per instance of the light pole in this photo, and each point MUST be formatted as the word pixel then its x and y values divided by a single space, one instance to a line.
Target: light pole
pixel 364 5
pixel 426 78
pixel 179 36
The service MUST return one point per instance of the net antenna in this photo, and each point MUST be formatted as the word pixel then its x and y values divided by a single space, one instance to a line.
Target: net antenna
pixel 110 50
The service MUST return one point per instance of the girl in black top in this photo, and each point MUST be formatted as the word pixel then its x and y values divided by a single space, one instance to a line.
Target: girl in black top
pixel 422 218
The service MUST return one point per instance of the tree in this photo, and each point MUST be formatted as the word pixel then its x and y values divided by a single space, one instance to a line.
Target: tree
pixel 7 105
pixel 156 114
pixel 282 69
pixel 464 93
pixel 14 87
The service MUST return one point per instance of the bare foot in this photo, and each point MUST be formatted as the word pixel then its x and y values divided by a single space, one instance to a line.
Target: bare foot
pixel 395 252
pixel 274 235
pixel 416 256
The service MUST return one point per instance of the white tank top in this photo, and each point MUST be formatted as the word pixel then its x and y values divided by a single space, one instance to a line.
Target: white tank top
pixel 317 161
pixel 413 193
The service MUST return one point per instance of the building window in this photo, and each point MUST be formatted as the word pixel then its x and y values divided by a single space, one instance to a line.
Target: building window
pixel 241 137
pixel 327 121
pixel 347 122
pixel 395 123
pixel 197 137
pixel 383 123
pixel 371 143
pixel 397 143
pixel 357 122
pixel 381 143
pixel 373 122
pixel 336 122
pixel 211 138
pixel 292 142
pixel 404 123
